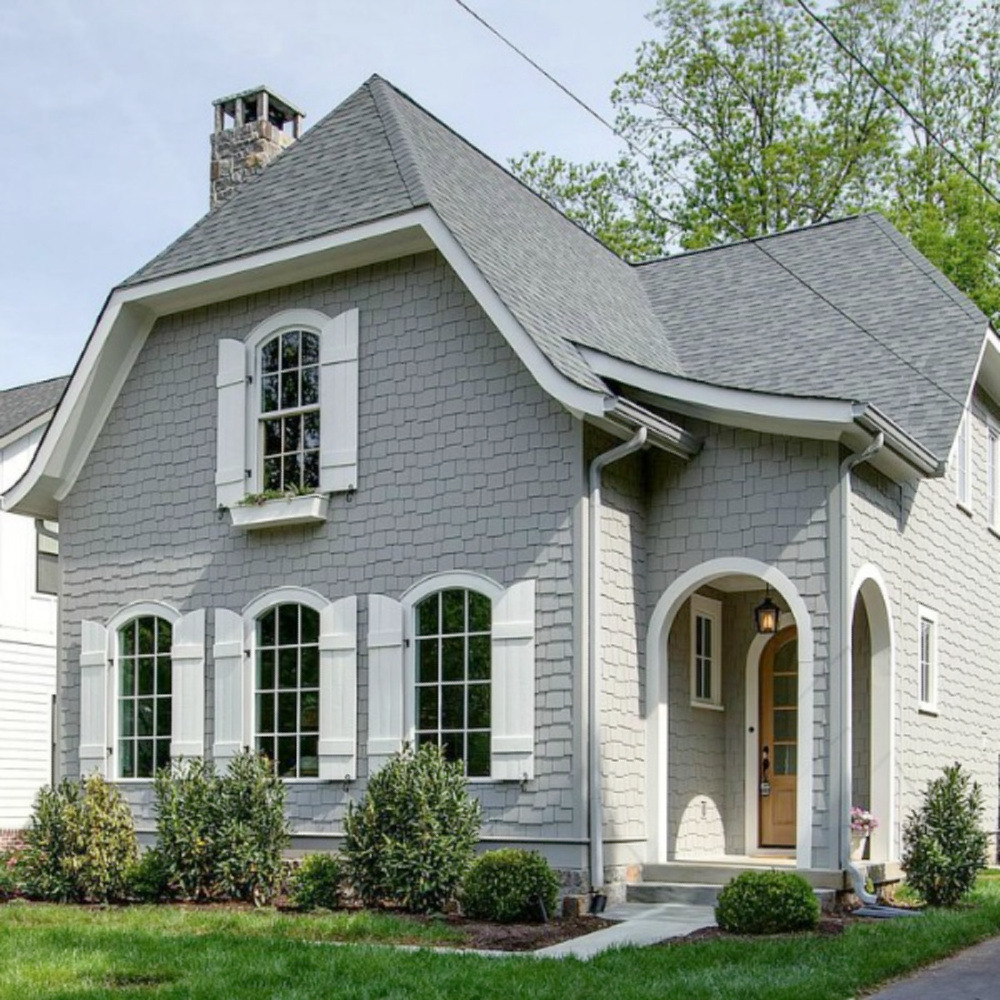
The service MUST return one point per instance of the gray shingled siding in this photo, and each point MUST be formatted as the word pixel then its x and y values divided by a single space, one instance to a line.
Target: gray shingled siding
pixel 762 497
pixel 623 730
pixel 464 464
pixel 934 554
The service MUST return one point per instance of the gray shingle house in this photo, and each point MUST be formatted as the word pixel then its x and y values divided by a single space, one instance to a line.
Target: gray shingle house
pixel 537 499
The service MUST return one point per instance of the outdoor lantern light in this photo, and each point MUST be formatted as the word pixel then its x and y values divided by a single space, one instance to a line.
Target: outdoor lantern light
pixel 766 615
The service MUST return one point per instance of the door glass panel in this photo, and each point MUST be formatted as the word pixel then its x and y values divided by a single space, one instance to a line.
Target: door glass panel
pixel 785 724
pixel 786 659
pixel 785 759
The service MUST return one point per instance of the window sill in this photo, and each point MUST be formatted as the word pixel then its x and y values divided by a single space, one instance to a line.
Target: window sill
pixel 926 708
pixel 964 507
pixel 710 705
pixel 994 530
pixel 281 513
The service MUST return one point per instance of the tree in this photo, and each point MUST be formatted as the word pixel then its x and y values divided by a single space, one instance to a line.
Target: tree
pixel 745 118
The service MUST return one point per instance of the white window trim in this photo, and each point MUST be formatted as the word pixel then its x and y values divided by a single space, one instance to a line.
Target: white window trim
pixel 928 706
pixel 137 609
pixel 993 475
pixel 963 450
pixel 706 607
pixel 264 602
pixel 457 580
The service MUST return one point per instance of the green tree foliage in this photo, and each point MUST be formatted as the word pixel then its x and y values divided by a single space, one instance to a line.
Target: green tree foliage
pixel 744 118
pixel 944 844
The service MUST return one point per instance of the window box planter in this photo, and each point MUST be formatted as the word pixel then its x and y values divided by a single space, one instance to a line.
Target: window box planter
pixel 280 513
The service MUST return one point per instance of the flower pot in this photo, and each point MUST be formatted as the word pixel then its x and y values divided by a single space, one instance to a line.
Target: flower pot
pixel 859 846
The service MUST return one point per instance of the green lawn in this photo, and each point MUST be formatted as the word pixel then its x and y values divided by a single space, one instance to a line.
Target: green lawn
pixel 79 954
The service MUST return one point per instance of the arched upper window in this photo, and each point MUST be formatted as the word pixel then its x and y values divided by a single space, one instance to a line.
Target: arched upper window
pixel 289 423
pixel 145 705
pixel 453 673
pixel 286 689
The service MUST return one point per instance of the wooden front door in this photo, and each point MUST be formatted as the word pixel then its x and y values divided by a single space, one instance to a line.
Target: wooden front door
pixel 779 726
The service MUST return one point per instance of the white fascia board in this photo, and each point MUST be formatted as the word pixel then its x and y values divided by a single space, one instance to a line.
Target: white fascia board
pixel 988 366
pixel 26 428
pixel 826 418
pixel 131 311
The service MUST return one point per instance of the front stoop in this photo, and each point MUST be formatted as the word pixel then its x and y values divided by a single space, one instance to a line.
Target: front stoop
pixel 699 883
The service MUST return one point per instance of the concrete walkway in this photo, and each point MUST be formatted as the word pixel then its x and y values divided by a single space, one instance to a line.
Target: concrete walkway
pixel 636 923
pixel 973 974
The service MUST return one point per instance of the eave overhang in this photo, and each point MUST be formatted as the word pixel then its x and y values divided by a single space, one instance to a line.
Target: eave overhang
pixel 849 422
pixel 131 311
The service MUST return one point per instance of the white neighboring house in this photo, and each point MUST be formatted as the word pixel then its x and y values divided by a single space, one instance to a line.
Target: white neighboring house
pixel 29 583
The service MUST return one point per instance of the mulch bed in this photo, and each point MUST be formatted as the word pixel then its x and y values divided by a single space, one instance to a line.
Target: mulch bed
pixel 522 937
pixel 830 924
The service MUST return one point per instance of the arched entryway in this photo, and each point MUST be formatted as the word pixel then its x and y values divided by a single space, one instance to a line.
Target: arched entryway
pixel 735 584
pixel 872 697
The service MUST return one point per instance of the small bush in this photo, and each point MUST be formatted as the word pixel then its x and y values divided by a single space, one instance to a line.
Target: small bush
pixel 411 840
pixel 944 845
pixel 81 843
pixel 507 886
pixel 10 875
pixel 317 882
pixel 147 878
pixel 767 903
pixel 221 835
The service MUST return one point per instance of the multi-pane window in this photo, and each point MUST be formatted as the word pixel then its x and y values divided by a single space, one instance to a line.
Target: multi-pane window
pixel 144 696
pixel 289 411
pixel 706 627
pixel 928 659
pixel 453 667
pixel 47 557
pixel 287 689
pixel 963 472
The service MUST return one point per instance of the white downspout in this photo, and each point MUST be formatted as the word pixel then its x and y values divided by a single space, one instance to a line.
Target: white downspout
pixel 596 817
pixel 840 648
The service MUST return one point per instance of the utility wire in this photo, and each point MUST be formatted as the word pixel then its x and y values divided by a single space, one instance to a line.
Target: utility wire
pixel 897 100
pixel 753 240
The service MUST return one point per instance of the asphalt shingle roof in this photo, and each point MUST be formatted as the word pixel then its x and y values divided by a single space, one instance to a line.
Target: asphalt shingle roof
pixel 22 404
pixel 729 316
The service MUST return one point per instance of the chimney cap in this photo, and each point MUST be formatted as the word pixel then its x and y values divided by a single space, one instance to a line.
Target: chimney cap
pixel 275 102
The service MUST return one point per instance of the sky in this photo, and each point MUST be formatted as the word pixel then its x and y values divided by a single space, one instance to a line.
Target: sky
pixel 104 157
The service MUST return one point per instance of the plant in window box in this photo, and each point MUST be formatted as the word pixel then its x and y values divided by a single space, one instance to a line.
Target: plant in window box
pixel 293 505
pixel 862 824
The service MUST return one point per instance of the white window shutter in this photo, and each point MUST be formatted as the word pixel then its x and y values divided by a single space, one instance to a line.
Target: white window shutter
pixel 338 434
pixel 512 743
pixel 231 460
pixel 188 688
pixel 338 690
pixel 230 678
pixel 94 699
pixel 385 680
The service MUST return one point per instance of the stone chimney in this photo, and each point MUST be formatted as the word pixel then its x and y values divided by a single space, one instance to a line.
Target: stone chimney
pixel 251 129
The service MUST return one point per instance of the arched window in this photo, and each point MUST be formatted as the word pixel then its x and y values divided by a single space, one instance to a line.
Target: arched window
pixel 145 705
pixel 286 689
pixel 289 423
pixel 453 672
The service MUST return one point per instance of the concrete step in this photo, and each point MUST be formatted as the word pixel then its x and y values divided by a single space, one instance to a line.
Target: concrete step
pixel 720 873
pixel 694 894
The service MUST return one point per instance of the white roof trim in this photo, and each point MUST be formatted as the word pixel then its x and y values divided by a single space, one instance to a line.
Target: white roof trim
pixel 739 407
pixel 131 311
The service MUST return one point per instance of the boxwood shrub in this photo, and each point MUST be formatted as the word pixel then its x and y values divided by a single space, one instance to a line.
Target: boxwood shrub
pixel 767 902
pixel 318 882
pixel 510 885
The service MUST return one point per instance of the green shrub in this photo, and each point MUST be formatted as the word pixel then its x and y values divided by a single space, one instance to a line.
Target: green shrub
pixel 317 882
pixel 81 843
pixel 508 885
pixel 411 840
pixel 767 903
pixel 944 845
pixel 10 875
pixel 147 878
pixel 221 835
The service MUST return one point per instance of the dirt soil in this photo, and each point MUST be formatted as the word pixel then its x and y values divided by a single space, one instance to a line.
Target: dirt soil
pixel 523 937
pixel 829 924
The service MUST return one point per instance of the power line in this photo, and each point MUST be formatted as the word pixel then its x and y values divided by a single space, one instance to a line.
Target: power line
pixel 754 241
pixel 897 100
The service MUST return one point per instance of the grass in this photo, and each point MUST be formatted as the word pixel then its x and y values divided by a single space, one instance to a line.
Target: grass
pixel 143 952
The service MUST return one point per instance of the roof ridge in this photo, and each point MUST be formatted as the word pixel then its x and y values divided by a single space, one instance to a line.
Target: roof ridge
pixel 398 139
